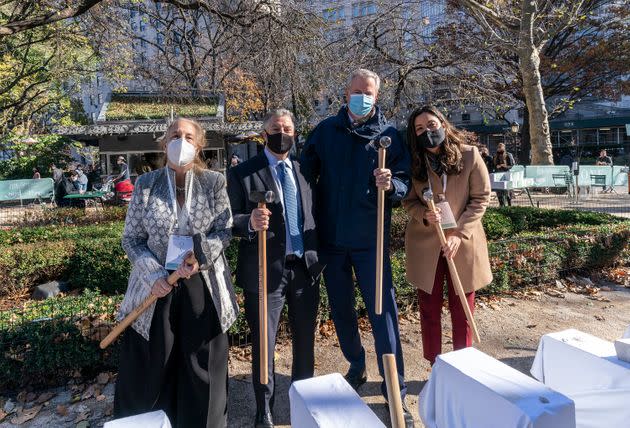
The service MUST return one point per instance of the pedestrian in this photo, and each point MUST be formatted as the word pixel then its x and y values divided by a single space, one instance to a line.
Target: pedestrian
pixel 487 159
pixel 340 159
pixel 503 162
pixel 175 356
pixel 82 179
pixel 455 172
pixel 123 174
pixel 36 174
pixel 293 269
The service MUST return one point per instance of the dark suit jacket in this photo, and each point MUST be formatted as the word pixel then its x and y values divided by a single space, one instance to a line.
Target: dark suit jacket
pixel 255 175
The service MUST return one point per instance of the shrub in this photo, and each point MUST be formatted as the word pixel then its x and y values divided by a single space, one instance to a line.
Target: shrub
pixel 44 343
pixel 72 216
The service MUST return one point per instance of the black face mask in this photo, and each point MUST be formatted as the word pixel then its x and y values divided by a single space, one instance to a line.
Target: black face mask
pixel 431 139
pixel 280 143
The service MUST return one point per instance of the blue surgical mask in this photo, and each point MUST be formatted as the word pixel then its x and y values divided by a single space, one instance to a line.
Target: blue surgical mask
pixel 361 104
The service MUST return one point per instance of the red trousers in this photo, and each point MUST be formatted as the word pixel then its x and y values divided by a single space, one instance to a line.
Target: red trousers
pixel 431 311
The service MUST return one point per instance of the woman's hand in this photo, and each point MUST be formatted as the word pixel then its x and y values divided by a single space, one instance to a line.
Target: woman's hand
pixel 185 270
pixel 449 249
pixel 161 287
pixel 433 217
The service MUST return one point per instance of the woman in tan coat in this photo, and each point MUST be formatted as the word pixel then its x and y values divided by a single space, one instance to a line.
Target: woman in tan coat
pixel 457 175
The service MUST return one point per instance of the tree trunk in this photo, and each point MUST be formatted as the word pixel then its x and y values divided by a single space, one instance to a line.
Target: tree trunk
pixel 529 67
pixel 526 143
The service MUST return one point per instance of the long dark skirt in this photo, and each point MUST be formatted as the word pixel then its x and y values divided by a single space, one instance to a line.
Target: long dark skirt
pixel 182 369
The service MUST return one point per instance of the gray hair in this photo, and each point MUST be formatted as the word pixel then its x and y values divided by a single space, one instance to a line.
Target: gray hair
pixel 365 74
pixel 278 112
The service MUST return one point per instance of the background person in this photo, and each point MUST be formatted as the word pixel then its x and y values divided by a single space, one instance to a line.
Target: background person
pixel 456 174
pixel 503 162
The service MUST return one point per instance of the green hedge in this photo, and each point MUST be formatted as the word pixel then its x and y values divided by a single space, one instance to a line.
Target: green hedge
pixel 44 343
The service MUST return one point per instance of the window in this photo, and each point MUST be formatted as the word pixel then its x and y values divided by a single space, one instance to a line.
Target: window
pixel 91 100
pixel 465 117
pixel 334 14
pixel 143 25
pixel 159 40
pixel 363 9
pixel 143 43
pixel 100 99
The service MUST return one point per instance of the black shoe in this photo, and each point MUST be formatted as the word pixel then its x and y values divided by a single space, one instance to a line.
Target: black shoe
pixel 407 416
pixel 264 420
pixel 356 379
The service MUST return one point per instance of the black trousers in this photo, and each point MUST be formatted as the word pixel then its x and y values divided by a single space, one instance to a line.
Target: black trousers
pixel 182 369
pixel 302 297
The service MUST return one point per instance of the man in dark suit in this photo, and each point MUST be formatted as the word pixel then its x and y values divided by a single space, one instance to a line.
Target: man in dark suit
pixel 293 269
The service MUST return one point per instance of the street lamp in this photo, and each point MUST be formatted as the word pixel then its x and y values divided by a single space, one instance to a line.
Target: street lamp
pixel 514 127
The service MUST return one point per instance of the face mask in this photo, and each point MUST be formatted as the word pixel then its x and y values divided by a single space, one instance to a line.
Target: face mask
pixel 180 152
pixel 280 143
pixel 360 104
pixel 431 139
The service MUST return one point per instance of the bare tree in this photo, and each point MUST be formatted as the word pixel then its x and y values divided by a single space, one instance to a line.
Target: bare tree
pixel 524 27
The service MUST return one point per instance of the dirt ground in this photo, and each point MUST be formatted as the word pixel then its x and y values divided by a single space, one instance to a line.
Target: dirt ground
pixel 510 331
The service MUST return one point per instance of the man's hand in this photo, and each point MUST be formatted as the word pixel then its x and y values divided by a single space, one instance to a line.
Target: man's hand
pixel 383 178
pixel 259 220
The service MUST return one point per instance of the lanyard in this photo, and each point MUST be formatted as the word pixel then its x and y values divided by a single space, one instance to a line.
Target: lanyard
pixel 444 183
pixel 174 199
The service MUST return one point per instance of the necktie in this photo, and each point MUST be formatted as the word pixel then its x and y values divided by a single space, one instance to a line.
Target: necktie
pixel 292 214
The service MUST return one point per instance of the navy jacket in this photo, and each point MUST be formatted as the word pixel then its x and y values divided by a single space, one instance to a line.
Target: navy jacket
pixel 339 159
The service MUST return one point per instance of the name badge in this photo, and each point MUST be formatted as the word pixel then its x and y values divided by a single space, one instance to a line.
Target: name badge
pixel 178 246
pixel 448 219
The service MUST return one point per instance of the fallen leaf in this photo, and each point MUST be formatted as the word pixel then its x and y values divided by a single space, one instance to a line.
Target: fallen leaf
pixel 531 325
pixel 62 410
pixel 102 378
pixel 82 416
pixel 100 397
pixel 599 318
pixel 3 415
pixel 25 415
pixel 21 397
pixel 45 397
pixel 88 393
pixel 109 410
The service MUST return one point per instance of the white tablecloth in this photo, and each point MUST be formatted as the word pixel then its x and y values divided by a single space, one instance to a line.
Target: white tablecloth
pixel 329 402
pixel 587 370
pixel 156 419
pixel 468 388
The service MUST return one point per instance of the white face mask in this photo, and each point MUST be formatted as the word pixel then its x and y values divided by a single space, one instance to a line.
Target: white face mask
pixel 180 152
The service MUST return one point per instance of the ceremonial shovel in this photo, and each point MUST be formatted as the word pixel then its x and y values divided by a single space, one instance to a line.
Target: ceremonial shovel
pixel 459 289
pixel 262 199
pixel 133 315
pixel 383 144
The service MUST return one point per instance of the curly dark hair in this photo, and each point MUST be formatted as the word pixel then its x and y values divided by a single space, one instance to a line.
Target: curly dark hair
pixel 450 154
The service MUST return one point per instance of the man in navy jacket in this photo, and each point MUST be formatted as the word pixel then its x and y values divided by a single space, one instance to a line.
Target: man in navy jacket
pixel 340 159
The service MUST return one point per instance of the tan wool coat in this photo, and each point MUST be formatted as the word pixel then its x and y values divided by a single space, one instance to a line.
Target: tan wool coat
pixel 468 194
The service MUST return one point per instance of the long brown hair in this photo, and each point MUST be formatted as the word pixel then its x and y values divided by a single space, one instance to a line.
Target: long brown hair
pixel 199 141
pixel 450 154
